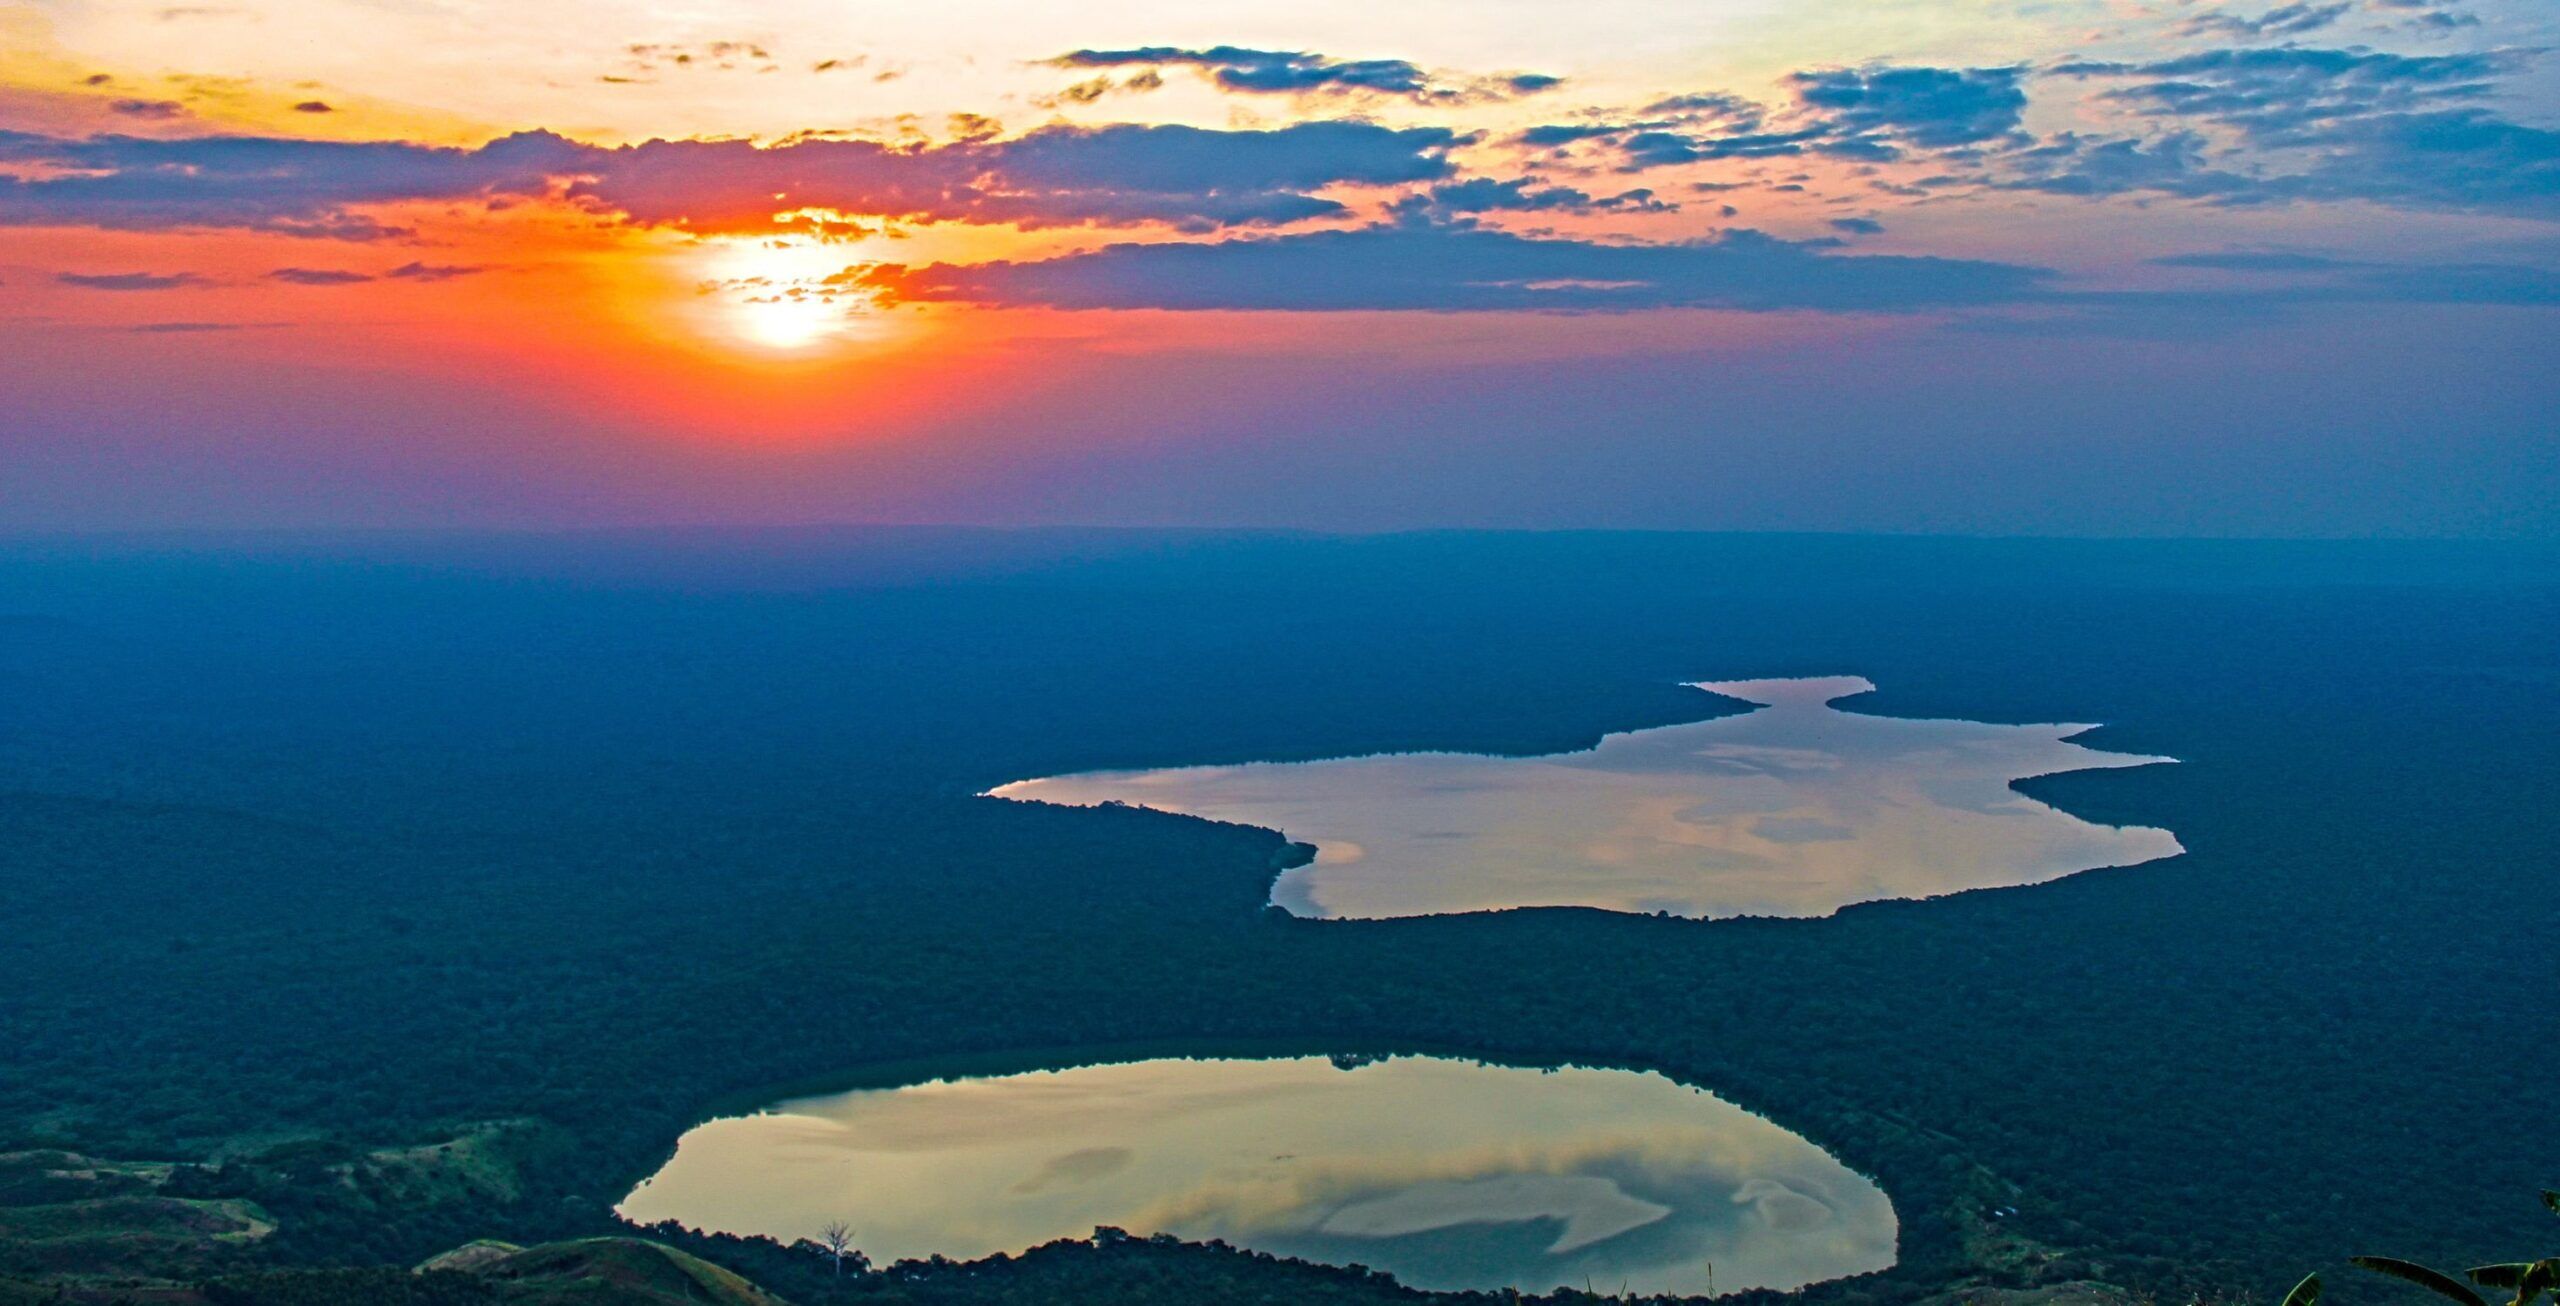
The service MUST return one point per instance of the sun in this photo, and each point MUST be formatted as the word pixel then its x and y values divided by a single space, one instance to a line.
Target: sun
pixel 774 294
pixel 789 322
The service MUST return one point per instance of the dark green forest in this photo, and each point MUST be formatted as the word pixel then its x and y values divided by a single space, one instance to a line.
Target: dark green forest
pixel 410 891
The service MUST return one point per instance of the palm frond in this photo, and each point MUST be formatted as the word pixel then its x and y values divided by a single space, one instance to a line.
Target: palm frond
pixel 2435 1281
pixel 2506 1275
pixel 2538 1278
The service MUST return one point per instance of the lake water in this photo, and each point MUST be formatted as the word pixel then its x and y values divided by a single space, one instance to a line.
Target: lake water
pixel 1794 809
pixel 1448 1174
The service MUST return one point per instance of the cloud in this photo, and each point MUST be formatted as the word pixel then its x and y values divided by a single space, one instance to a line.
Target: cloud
pixel 432 271
pixel 2270 93
pixel 2431 17
pixel 1857 226
pixel 2323 125
pixel 1477 195
pixel 1680 129
pixel 1555 134
pixel 1193 178
pixel 318 276
pixel 1418 266
pixel 279 184
pixel 314 106
pixel 151 110
pixel 1094 88
pixel 1298 72
pixel 2072 164
pixel 1719 106
pixel 1656 149
pixel 1933 108
pixel 1173 160
pixel 2462 159
pixel 1455 266
pixel 646 59
pixel 1875 113
pixel 2283 20
pixel 404 272
pixel 131 280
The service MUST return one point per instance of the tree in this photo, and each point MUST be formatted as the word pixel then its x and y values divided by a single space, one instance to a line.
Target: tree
pixel 836 1240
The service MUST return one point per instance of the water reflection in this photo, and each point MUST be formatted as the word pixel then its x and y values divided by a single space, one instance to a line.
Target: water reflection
pixel 1797 809
pixel 1447 1174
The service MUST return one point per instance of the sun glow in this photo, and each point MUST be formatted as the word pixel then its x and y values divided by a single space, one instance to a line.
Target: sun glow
pixel 775 294
pixel 784 322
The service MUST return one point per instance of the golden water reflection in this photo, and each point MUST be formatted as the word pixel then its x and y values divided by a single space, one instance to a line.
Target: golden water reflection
pixel 1448 1174
pixel 1796 809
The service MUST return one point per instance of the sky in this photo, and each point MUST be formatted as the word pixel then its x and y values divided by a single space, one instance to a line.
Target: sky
pixel 2071 267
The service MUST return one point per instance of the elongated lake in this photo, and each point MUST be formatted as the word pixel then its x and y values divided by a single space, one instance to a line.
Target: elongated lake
pixel 1795 809
pixel 1448 1174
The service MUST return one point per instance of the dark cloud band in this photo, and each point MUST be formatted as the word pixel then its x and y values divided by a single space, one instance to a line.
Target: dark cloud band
pixel 1461 268
pixel 1192 178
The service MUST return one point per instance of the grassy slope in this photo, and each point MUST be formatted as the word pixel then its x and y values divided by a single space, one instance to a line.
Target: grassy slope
pixel 617 1272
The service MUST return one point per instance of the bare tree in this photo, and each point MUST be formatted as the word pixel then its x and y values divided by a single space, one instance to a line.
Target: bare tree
pixel 836 1240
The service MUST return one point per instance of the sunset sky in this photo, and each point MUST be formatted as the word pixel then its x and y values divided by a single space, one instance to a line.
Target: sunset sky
pixel 1989 266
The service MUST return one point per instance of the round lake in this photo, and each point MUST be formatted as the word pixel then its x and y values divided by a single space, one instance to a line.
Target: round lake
pixel 1448 1174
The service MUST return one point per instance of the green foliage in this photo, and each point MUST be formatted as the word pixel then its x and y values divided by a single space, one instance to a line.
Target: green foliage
pixel 2441 1284
pixel 312 869
pixel 1110 1268
pixel 617 1272
pixel 2526 1281
pixel 373 1287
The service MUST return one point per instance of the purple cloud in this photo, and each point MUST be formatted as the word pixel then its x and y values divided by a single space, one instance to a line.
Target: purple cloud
pixel 131 281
